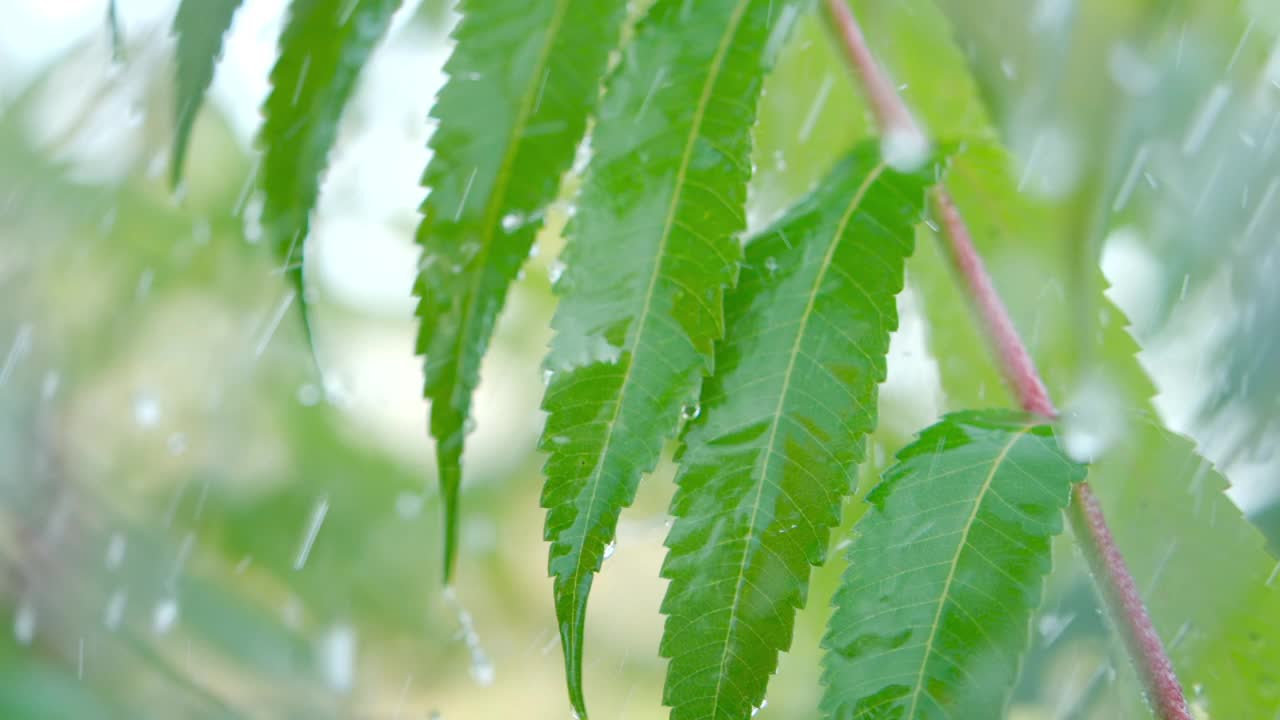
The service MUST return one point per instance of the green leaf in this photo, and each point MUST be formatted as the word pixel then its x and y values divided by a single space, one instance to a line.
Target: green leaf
pixel 198 28
pixel 932 616
pixel 323 48
pixel 649 253
pixel 782 427
pixel 1201 565
pixel 523 80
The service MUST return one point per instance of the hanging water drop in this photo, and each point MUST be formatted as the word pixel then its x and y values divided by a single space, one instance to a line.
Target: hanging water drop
pixel 771 264
pixel 609 549
pixel 512 222
pixel 690 411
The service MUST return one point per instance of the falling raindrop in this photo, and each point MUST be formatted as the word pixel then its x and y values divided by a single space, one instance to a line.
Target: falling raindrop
pixel 904 149
pixel 143 288
pixel 114 611
pixel 409 505
pixel 338 657
pixel 115 551
pixel 308 395
pixel 146 410
pixel 24 622
pixel 1093 421
pixel 164 615
pixel 313 528
pixel 555 271
pixel 252 217
pixel 481 668
pixel 335 390
pixel 177 443
pixel 49 387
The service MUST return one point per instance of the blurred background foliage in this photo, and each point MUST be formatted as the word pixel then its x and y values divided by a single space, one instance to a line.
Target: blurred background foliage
pixel 195 525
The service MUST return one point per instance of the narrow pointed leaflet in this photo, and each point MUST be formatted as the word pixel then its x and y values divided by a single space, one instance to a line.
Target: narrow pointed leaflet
pixel 198 27
pixel 523 80
pixel 932 616
pixel 323 48
pixel 650 251
pixel 783 424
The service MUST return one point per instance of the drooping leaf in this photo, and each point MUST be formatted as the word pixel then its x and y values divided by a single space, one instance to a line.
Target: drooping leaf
pixel 524 77
pixel 649 253
pixel 323 47
pixel 945 569
pixel 782 426
pixel 198 27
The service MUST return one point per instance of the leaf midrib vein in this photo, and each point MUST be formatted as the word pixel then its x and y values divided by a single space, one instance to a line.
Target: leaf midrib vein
pixel 503 179
pixel 955 561
pixel 642 320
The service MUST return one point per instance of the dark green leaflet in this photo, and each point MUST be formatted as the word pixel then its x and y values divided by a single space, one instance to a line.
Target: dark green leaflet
pixel 945 569
pixel 524 78
pixel 773 453
pixel 323 48
pixel 649 253
pixel 199 27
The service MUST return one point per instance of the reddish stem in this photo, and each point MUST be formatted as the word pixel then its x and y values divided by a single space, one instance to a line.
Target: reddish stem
pixel 891 113
pixel 1110 573
pixel 1019 369
pixel 1124 602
